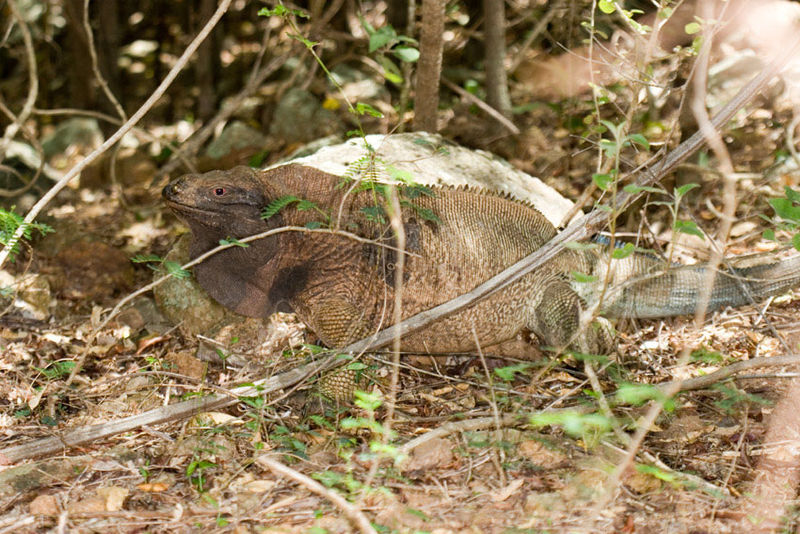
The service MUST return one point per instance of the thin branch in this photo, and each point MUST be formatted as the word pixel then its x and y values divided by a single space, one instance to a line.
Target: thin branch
pixel 140 113
pixel 33 92
pixel 355 515
pixel 96 67
pixel 472 99
pixel 700 382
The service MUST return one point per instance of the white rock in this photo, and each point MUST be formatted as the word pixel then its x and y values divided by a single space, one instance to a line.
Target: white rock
pixel 433 161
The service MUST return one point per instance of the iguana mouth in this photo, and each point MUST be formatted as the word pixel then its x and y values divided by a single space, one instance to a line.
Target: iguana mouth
pixel 187 208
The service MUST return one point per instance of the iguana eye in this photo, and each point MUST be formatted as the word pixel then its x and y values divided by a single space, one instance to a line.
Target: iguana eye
pixel 219 191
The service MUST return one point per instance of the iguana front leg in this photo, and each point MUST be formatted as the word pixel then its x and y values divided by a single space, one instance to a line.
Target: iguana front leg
pixel 556 321
pixel 337 322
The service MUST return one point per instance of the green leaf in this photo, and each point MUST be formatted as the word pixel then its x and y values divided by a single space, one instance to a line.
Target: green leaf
pixel 785 209
pixel 427 214
pixel 279 11
pixel 603 181
pixel 768 235
pixel 313 225
pixel 705 355
pixel 374 213
pixel 796 241
pixel 417 190
pixel 174 269
pixel 615 129
pixel 365 109
pixel 660 474
pixel 406 53
pixel 606 6
pixel 390 71
pixel 574 423
pixel 307 42
pixel 583 278
pixel 146 258
pixel 688 227
pixel 401 175
pixel 233 241
pixel 682 190
pixel 639 139
pixel 634 189
pixel 791 194
pixel 609 147
pixel 508 372
pixel 305 205
pixel 622 252
pixel 692 28
pixel 382 37
pixel 367 401
pixel 277 205
pixel 637 394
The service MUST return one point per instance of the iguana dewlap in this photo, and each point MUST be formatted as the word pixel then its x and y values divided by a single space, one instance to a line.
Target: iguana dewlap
pixel 344 289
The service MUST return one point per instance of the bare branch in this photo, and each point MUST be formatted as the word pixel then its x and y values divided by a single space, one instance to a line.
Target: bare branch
pixel 355 515
pixel 33 91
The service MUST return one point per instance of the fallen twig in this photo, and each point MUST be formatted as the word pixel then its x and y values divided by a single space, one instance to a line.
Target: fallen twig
pixel 355 515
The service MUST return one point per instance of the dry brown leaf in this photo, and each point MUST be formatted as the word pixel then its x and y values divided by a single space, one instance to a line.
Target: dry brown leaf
pixel 114 497
pixel 44 505
pixel 539 454
pixel 503 494
pixel 430 454
pixel 153 487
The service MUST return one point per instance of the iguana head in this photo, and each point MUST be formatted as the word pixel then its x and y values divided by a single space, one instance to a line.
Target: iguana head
pixel 218 204
pixel 221 205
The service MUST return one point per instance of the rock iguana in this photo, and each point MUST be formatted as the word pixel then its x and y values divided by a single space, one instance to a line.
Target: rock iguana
pixel 456 238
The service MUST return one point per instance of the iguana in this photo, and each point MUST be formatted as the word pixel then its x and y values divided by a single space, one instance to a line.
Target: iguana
pixel 456 238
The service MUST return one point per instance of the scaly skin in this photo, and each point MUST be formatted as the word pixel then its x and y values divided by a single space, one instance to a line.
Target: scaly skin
pixel 344 290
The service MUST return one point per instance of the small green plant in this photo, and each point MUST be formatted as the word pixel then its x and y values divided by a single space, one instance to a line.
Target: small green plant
pixel 159 264
pixel 637 394
pixel 733 398
pixel 10 222
pixel 387 45
pixel 787 216
pixel 705 355
pixel 280 203
pixel 57 369
pixel 590 427
pixel 284 436
pixel 509 372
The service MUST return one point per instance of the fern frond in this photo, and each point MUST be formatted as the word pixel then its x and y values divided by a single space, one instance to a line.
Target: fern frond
pixel 277 205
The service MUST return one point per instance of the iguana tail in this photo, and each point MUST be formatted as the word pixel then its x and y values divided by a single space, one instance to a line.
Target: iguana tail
pixel 677 290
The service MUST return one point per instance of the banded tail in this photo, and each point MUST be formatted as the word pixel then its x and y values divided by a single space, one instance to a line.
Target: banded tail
pixel 676 291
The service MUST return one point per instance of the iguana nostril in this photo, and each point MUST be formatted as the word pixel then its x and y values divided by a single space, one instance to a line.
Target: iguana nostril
pixel 172 189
